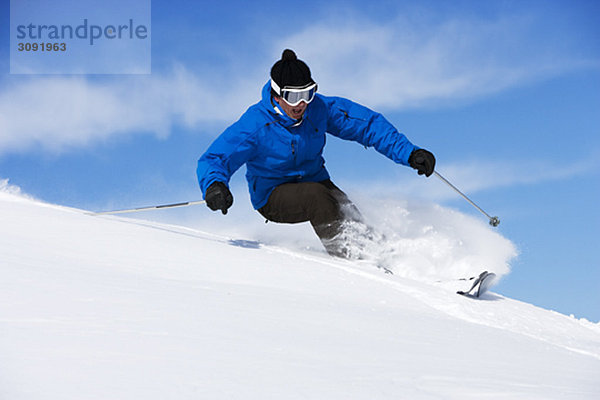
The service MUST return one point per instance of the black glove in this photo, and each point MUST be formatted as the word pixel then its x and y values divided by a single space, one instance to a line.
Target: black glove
pixel 218 197
pixel 423 161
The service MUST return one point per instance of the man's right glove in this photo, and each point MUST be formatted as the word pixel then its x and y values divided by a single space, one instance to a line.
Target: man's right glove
pixel 423 161
pixel 218 197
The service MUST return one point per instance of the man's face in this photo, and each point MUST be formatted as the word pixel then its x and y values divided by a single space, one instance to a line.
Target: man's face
pixel 294 112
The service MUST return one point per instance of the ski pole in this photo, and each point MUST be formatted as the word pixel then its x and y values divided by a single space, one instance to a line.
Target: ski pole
pixel 494 221
pixel 184 204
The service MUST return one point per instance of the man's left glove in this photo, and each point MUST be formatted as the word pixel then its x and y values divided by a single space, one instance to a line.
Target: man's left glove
pixel 218 197
pixel 423 161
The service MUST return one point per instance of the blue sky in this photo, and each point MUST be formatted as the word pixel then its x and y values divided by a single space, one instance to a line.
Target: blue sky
pixel 505 93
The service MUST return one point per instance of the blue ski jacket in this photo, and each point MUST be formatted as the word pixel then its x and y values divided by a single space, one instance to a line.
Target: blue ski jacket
pixel 278 149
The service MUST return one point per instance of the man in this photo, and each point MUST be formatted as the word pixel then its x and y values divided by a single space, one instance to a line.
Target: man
pixel 281 140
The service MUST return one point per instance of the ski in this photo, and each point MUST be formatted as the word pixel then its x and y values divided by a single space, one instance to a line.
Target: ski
pixel 481 285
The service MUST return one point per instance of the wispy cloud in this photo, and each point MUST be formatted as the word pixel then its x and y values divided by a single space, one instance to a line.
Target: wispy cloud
pixel 399 64
pixel 412 63
pixel 61 112
pixel 477 176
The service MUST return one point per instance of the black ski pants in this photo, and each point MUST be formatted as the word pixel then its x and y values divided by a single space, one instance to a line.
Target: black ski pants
pixel 323 204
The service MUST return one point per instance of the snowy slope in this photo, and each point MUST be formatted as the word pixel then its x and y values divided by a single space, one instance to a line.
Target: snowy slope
pixel 115 308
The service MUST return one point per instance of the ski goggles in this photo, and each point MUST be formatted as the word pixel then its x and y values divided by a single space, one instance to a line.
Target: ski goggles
pixel 294 95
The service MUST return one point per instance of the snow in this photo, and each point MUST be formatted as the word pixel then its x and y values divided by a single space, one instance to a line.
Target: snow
pixel 117 308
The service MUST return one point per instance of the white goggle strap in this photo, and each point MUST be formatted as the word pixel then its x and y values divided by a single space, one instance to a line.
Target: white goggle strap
pixel 275 87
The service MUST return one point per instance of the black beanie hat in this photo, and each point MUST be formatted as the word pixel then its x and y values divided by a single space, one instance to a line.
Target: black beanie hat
pixel 289 71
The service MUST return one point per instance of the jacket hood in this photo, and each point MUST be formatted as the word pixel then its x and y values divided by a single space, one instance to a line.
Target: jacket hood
pixel 273 108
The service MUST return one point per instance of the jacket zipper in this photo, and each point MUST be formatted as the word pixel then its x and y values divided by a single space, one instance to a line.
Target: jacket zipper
pixel 355 118
pixel 348 116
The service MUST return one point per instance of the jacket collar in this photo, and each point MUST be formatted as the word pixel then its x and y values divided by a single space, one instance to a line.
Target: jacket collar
pixel 275 111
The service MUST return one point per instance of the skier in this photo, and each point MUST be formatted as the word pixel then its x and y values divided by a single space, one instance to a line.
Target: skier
pixel 281 140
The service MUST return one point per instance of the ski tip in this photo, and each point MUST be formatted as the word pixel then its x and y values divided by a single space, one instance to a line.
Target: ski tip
pixel 481 285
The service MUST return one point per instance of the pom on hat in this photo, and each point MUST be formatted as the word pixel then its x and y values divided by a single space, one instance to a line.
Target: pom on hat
pixel 290 71
pixel 288 55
